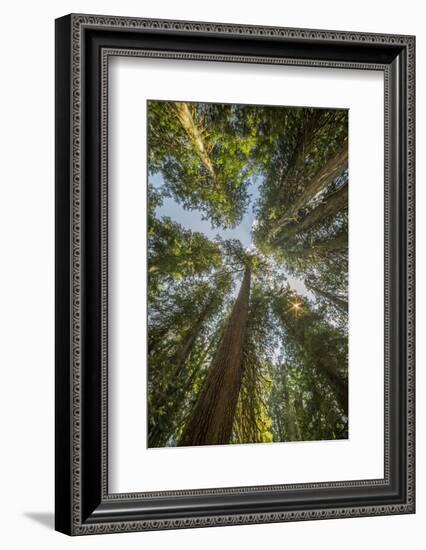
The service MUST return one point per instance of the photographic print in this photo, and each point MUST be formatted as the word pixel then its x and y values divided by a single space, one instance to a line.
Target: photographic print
pixel 247 274
pixel 207 282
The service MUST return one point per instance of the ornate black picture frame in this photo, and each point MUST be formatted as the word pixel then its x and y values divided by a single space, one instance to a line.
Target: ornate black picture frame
pixel 84 44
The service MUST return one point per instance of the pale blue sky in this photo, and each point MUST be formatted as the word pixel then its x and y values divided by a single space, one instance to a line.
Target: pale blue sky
pixel 193 220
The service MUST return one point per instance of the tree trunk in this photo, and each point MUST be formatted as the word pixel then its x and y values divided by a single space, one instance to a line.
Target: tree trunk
pixel 290 424
pixel 333 168
pixel 185 118
pixel 330 206
pixel 167 395
pixel 335 244
pixel 337 382
pixel 325 362
pixel 189 340
pixel 212 418
pixel 339 302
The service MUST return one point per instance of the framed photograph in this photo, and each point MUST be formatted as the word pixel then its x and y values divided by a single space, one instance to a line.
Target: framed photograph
pixel 234 274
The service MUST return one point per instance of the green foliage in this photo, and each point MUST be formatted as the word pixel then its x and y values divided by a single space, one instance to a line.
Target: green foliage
pixel 252 422
pixel 203 154
pixel 293 384
pixel 176 253
pixel 311 146
pixel 183 322
pixel 315 369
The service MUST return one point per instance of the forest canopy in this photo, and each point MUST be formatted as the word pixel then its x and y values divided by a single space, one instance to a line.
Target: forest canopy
pixel 247 274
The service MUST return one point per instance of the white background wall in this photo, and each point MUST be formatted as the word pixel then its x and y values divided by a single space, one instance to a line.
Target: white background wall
pixel 26 289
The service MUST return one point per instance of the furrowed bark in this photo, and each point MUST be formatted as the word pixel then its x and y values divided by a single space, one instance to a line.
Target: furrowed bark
pixel 212 418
